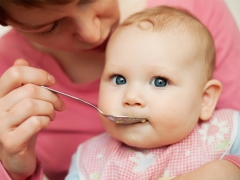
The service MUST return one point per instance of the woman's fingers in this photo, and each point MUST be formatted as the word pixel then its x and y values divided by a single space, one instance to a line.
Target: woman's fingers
pixel 25 109
pixel 18 138
pixel 23 121
pixel 30 91
pixel 31 126
pixel 17 76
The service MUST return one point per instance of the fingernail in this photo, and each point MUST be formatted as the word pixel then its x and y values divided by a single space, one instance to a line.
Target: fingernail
pixel 51 78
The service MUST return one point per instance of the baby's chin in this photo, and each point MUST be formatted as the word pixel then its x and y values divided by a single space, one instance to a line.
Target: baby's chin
pixel 144 137
pixel 143 144
pixel 134 143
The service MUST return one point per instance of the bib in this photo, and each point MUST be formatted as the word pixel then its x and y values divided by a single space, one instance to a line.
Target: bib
pixel 104 158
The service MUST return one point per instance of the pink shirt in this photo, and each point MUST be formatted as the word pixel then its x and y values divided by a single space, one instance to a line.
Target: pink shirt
pixel 78 122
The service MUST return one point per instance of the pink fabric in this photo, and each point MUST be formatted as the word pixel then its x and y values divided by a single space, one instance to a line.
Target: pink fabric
pixel 3 174
pixel 103 157
pixel 234 159
pixel 56 144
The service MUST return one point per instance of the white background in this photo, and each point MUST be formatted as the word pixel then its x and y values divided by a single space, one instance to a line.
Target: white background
pixel 234 6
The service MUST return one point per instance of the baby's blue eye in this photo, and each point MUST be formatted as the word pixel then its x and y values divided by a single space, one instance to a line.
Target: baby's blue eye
pixel 159 82
pixel 119 80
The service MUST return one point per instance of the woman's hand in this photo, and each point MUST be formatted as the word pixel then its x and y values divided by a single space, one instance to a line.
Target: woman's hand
pixel 25 109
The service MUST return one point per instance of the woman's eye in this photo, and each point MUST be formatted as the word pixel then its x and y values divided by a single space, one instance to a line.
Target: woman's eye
pixel 50 31
pixel 159 82
pixel 119 80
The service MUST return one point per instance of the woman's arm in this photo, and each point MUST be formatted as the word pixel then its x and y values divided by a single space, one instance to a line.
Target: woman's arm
pixel 37 175
pixel 218 169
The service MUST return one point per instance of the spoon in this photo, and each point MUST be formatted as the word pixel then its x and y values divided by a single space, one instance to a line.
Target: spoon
pixel 116 119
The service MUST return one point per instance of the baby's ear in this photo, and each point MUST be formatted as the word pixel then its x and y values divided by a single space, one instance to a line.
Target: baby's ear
pixel 211 93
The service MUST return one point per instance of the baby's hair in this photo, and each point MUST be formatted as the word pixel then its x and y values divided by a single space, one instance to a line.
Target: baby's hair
pixel 4 17
pixel 175 20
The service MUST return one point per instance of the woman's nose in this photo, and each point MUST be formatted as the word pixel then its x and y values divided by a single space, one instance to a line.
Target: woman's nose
pixel 88 30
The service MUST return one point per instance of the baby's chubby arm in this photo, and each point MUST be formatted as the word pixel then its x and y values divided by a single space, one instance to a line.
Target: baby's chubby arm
pixel 217 169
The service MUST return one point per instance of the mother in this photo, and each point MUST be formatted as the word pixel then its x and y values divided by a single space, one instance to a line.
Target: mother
pixel 65 40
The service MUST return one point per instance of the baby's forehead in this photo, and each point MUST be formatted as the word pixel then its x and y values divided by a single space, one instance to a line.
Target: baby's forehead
pixel 145 30
pixel 179 47
pixel 134 38
pixel 201 39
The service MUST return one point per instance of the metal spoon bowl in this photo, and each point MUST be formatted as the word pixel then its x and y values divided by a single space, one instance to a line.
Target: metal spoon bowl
pixel 116 119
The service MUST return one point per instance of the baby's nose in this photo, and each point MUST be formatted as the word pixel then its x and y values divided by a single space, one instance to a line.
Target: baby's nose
pixel 134 98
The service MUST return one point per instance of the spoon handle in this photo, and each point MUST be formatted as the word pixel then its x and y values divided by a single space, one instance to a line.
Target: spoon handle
pixel 70 96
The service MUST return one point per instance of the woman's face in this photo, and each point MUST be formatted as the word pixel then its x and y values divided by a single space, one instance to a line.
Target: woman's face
pixel 81 25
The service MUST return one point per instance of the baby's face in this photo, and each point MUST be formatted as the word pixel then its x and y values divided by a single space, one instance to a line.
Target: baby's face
pixel 156 76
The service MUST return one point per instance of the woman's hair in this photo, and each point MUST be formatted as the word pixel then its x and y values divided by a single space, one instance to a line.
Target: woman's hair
pixel 26 3
pixel 176 21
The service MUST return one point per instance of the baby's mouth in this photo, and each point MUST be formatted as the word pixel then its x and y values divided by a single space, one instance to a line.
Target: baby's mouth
pixel 143 121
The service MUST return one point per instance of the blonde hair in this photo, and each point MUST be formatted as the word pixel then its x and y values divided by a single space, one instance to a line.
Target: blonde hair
pixel 170 19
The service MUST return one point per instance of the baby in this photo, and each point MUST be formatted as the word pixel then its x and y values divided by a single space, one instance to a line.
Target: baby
pixel 159 66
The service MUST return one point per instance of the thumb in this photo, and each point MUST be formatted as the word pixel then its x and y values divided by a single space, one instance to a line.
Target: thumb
pixel 21 62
